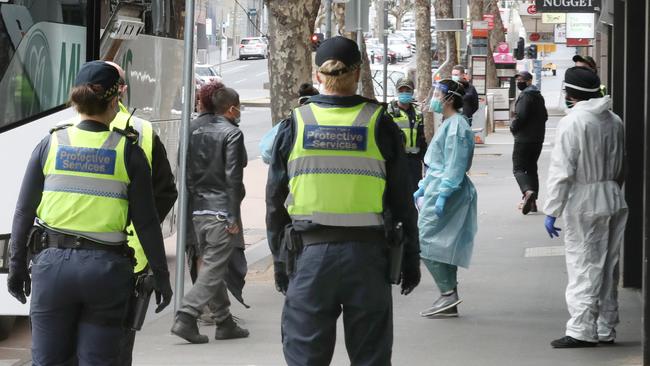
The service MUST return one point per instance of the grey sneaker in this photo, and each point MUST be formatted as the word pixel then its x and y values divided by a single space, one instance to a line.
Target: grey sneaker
pixel 443 303
pixel 452 312
pixel 206 319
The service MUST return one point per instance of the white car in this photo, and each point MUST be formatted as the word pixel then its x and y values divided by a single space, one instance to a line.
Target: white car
pixel 253 47
pixel 206 73
pixel 401 46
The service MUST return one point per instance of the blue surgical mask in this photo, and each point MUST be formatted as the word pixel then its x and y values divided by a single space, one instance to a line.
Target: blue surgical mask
pixel 455 78
pixel 436 105
pixel 405 98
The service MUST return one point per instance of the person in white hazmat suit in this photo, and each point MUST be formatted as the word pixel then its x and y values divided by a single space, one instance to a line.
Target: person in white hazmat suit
pixel 446 199
pixel 584 186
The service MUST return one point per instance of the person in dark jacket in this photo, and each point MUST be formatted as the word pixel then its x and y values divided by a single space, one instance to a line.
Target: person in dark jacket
pixel 215 179
pixel 470 100
pixel 528 128
pixel 336 186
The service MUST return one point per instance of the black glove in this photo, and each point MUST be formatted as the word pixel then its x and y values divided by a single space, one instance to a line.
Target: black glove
pixel 18 283
pixel 410 272
pixel 281 278
pixel 163 289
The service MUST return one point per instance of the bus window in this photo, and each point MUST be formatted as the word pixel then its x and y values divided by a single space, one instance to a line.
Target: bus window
pixel 42 46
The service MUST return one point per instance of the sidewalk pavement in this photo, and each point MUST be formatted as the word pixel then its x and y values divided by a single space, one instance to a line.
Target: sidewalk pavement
pixel 513 295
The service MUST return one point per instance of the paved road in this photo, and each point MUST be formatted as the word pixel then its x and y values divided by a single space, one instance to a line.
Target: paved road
pixel 255 122
pixel 247 77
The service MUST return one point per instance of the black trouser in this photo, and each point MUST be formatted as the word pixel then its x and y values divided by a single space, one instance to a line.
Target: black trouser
pixel 415 170
pixel 78 303
pixel 330 278
pixel 524 165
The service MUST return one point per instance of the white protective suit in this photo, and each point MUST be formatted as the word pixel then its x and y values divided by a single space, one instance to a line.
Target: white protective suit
pixel 583 185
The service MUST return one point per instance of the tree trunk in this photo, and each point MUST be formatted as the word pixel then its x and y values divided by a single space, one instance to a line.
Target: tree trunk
pixel 291 23
pixel 444 10
pixel 476 10
pixel 398 20
pixel 367 87
pixel 378 32
pixel 497 35
pixel 423 59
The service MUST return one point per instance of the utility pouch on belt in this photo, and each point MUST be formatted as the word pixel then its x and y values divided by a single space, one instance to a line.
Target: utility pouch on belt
pixel 396 254
pixel 294 245
pixel 139 301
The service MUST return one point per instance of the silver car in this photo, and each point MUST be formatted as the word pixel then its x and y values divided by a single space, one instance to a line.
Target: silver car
pixel 253 47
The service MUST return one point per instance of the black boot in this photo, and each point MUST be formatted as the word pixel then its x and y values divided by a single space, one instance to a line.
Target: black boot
pixel 186 328
pixel 570 342
pixel 228 329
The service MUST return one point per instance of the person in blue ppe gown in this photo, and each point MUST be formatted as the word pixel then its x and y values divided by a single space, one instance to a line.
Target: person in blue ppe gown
pixel 447 199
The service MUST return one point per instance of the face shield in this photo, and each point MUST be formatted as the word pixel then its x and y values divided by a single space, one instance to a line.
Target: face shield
pixel 440 93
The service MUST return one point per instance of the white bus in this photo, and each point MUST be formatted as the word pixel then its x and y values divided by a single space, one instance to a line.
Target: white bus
pixel 43 43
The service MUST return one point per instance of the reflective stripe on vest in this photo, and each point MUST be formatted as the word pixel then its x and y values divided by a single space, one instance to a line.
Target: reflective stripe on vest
pixel 145 141
pixel 86 185
pixel 411 134
pixel 337 175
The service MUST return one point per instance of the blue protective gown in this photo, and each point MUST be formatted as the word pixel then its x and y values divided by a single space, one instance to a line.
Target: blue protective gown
pixel 450 238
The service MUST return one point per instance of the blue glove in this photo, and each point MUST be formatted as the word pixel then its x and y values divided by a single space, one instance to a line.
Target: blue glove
pixel 549 223
pixel 439 208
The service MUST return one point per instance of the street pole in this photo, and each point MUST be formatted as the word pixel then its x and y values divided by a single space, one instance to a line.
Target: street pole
pixel 184 131
pixel 328 21
pixel 359 38
pixel 385 35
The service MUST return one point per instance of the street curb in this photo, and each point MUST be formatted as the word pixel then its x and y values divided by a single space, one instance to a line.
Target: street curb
pixel 259 103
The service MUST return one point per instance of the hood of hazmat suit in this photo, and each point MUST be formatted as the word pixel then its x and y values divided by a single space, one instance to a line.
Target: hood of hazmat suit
pixel 450 238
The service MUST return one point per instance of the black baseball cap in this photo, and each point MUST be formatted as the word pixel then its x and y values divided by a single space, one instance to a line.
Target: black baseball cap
pixel 586 59
pixel 405 82
pixel 102 74
pixel 340 49
pixel 524 75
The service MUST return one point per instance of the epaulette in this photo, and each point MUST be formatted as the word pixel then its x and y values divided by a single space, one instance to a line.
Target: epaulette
pixel 60 127
pixel 130 134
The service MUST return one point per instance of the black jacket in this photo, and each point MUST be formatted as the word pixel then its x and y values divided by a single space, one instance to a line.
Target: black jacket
pixel 397 197
pixel 216 161
pixel 529 124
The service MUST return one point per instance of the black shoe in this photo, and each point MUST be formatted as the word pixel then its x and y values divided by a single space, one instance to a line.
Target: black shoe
pixel 228 329
pixel 533 207
pixel 529 201
pixel 186 328
pixel 570 342
pixel 449 313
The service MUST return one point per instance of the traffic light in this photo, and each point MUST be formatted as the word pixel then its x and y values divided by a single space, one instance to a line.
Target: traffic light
pixel 316 40
pixel 519 51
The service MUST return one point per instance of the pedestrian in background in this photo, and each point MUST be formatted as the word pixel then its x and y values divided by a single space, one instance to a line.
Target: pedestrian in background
pixel 529 130
pixel 216 162
pixel 447 199
pixel 470 100
pixel 584 186
pixel 72 217
pixel 335 187
pixel 589 63
pixel 406 114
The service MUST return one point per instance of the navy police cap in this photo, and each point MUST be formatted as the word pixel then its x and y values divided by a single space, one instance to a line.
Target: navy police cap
pixel 340 49
pixel 99 73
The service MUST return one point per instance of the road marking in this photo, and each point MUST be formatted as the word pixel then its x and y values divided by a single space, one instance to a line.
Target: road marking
pixel 555 251
pixel 261 73
pixel 239 81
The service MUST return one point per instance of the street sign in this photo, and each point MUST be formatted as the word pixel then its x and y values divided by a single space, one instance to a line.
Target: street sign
pixel 567 6
pixel 540 37
pixel 531 10
pixel 351 15
pixel 489 18
pixel 560 33
pixel 480 24
pixel 450 25
pixel 580 25
pixel 578 42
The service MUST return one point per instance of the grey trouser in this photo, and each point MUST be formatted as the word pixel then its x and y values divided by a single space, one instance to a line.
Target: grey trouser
pixel 210 286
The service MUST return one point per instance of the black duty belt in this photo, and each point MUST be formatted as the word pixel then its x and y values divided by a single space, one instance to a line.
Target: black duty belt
pixel 53 239
pixel 340 234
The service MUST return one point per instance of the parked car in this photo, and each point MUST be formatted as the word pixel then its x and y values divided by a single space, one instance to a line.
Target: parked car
pixel 377 52
pixel 253 47
pixel 207 73
pixel 401 46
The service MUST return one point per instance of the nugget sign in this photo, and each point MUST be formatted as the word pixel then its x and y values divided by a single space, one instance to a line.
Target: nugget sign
pixel 335 138
pixel 86 160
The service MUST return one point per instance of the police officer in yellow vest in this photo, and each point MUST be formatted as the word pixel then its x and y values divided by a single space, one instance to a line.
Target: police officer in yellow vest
pixel 162 179
pixel 81 186
pixel 409 119
pixel 335 183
